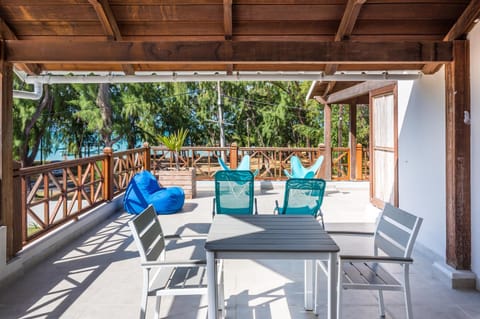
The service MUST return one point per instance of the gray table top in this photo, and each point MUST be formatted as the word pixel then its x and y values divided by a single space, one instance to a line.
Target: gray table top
pixel 268 233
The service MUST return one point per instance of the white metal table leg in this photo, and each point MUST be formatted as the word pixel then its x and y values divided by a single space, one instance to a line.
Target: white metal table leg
pixel 332 286
pixel 212 286
pixel 309 284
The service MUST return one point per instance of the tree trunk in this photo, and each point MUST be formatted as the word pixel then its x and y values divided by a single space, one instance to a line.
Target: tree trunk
pixel 103 102
pixel 29 151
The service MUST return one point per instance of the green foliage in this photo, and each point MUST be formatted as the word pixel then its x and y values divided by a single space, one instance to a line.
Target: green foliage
pixel 174 142
pixel 255 114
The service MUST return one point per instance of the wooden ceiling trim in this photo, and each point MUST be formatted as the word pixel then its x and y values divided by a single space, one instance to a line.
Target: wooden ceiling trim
pixel 215 51
pixel 109 23
pixel 7 34
pixel 459 30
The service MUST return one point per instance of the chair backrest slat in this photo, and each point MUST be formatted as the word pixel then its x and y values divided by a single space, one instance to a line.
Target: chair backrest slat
pixel 397 234
pixel 148 234
pixel 303 196
pixel 396 231
pixel 400 216
pixel 234 192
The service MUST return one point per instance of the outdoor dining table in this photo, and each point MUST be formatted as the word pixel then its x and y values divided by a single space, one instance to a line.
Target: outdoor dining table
pixel 272 237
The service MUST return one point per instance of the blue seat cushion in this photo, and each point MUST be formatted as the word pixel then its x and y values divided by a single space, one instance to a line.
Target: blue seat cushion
pixel 169 200
pixel 144 189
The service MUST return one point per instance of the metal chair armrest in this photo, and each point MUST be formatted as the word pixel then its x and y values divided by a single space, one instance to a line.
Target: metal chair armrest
pixel 175 263
pixel 378 259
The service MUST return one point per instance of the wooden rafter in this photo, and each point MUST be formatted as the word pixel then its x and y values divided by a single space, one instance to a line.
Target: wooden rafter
pixel 228 26
pixel 463 25
pixel 329 88
pixel 110 26
pixel 6 33
pixel 349 18
pixel 30 51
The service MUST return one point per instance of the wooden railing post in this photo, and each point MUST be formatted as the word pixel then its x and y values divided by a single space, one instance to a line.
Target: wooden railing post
pixel 146 157
pixel 320 151
pixel 359 162
pixel 233 155
pixel 108 173
pixel 19 210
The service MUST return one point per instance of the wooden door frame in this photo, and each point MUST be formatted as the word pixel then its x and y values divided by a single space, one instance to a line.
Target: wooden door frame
pixel 390 89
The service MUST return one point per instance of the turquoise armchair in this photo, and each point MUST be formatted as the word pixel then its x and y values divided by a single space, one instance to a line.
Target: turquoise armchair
pixel 298 171
pixel 243 166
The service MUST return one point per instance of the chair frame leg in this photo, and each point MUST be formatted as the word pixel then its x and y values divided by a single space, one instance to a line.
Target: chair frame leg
pixel 158 301
pixel 144 298
pixel 406 292
pixel 381 304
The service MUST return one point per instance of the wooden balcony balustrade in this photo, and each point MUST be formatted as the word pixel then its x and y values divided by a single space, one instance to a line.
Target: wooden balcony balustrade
pixel 53 194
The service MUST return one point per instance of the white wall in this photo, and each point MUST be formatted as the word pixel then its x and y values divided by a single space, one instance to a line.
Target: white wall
pixel 474 38
pixel 421 156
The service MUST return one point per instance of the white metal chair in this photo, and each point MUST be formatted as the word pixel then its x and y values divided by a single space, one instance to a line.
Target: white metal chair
pixel 172 277
pixel 395 236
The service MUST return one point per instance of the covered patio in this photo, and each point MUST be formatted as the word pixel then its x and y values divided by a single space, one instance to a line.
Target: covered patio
pixel 435 156
pixel 98 275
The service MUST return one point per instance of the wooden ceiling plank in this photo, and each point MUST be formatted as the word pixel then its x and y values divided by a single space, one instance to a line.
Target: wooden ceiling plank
pixel 349 18
pixel 463 25
pixel 357 90
pixel 7 34
pixel 30 51
pixel 109 23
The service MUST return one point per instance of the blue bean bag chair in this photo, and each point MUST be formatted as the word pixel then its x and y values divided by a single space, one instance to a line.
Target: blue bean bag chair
pixel 144 190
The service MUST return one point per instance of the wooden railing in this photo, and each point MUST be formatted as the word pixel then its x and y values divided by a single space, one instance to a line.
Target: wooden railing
pixel 53 194
pixel 270 161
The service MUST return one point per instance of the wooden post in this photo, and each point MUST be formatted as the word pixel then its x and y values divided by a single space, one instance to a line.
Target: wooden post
pixel 19 209
pixel 233 155
pixel 458 196
pixel 108 173
pixel 146 157
pixel 6 149
pixel 327 115
pixel 352 141
pixel 359 162
pixel 320 150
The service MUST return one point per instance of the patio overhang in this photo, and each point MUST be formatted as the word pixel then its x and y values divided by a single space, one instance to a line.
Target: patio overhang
pixel 40 37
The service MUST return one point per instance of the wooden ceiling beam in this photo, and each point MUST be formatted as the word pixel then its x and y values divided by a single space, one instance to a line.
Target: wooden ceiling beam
pixel 357 90
pixel 109 24
pixel 345 29
pixel 459 30
pixel 27 51
pixel 7 34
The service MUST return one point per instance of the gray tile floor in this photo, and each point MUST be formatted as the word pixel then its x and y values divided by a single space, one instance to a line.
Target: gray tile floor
pixel 98 275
